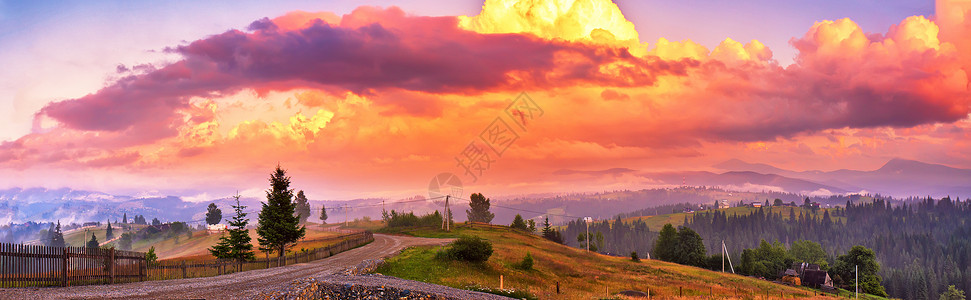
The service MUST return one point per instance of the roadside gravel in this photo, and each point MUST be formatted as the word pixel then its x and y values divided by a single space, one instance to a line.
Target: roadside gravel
pixel 243 285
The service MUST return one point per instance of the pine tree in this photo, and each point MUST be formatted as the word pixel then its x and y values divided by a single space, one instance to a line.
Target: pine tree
pixel 57 237
pixel 93 243
pixel 518 223
pixel 109 233
pixel 278 227
pixel 547 230
pixel 236 245
pixel 213 214
pixel 479 211
pixel 323 214
pixel 303 207
pixel 124 218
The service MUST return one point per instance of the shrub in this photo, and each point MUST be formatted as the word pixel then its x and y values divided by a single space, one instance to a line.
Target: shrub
pixel 471 249
pixel 527 263
pixel 396 219
pixel 634 257
pixel 150 256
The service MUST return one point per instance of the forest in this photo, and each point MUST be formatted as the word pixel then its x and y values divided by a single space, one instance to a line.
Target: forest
pixel 922 245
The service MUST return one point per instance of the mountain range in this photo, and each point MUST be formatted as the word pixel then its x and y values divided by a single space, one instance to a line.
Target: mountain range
pixel 897 178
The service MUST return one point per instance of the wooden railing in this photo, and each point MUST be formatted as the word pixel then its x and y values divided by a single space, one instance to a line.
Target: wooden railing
pixel 30 266
pixel 34 266
pixel 174 269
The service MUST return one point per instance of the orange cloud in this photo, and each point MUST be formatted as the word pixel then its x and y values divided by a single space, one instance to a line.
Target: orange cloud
pixel 381 95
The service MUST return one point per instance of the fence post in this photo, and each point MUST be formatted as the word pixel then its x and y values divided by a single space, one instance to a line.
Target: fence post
pixel 183 269
pixel 64 268
pixel 111 271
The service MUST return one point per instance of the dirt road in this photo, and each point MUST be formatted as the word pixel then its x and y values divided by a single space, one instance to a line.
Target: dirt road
pixel 244 285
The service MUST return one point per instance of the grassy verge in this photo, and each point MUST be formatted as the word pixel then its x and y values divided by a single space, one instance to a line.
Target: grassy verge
pixel 580 274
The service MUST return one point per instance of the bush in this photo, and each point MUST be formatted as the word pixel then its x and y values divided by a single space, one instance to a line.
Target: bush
pixel 471 249
pixel 634 257
pixel 396 219
pixel 527 263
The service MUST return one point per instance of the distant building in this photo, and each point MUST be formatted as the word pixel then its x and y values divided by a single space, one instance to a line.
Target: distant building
pixel 756 204
pixel 688 210
pixel 818 279
pixel 723 204
pixel 216 228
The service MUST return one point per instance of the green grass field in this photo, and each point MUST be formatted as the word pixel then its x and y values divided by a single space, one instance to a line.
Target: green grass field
pixel 580 274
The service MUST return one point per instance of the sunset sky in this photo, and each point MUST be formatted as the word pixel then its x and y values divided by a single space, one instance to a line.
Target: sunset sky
pixel 374 98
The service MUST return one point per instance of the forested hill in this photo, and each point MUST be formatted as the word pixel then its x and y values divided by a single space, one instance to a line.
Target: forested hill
pixel 922 246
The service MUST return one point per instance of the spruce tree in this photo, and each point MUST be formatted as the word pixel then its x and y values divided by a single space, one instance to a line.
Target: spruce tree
pixel 518 223
pixel 124 218
pixel 479 211
pixel 303 207
pixel 57 237
pixel 547 230
pixel 278 227
pixel 109 233
pixel 93 243
pixel 236 245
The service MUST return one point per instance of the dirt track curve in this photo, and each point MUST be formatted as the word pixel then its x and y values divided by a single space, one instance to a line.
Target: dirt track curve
pixel 244 285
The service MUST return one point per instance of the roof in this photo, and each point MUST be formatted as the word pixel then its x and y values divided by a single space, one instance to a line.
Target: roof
pixel 816 278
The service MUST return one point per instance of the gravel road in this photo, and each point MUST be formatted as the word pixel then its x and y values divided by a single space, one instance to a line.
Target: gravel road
pixel 243 285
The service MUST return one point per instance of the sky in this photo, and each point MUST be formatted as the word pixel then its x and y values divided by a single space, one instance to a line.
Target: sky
pixel 376 98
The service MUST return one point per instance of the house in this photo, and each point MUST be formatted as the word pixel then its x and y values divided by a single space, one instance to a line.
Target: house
pixel 756 204
pixel 215 228
pixel 161 227
pixel 801 268
pixel 723 204
pixel 817 279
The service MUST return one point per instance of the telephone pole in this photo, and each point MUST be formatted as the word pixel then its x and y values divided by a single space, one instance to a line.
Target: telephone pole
pixel 587 238
pixel 345 214
pixel 445 220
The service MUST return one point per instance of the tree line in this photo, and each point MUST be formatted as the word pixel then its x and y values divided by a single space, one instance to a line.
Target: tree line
pixel 921 245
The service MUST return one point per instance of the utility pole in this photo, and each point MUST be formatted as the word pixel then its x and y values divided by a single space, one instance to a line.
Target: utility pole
pixel 345 214
pixel 725 255
pixel 587 238
pixel 445 219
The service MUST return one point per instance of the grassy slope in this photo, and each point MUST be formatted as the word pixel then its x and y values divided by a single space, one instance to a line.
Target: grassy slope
pixel 581 274
pixel 79 237
pixel 167 247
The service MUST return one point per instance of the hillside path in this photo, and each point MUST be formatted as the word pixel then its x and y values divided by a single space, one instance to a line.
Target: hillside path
pixel 243 285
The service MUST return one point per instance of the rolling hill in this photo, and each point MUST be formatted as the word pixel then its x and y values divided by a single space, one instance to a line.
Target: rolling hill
pixel 580 274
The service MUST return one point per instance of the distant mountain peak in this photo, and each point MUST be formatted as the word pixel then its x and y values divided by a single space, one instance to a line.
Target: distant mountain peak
pixel 901 165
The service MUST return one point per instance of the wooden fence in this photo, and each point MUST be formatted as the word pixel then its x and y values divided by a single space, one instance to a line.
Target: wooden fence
pixel 174 269
pixel 34 266
pixel 31 266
